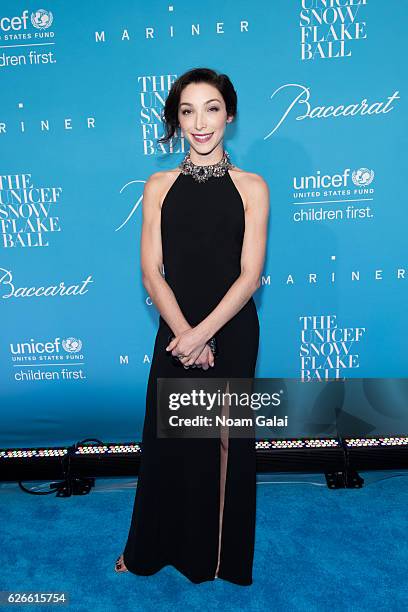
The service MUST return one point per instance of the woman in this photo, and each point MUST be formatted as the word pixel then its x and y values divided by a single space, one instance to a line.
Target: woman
pixel 206 222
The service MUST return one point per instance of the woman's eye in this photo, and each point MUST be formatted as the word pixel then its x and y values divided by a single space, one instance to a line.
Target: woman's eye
pixel 183 112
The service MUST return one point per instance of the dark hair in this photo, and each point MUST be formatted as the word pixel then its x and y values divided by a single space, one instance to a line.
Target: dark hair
pixel 222 82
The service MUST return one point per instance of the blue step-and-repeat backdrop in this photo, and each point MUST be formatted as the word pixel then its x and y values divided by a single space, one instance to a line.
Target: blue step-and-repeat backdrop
pixel 322 116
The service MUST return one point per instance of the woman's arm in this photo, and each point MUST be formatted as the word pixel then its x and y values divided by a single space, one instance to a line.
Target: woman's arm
pixel 152 257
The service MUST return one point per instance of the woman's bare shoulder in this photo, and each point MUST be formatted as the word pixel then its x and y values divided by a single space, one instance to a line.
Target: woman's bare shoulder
pixel 162 176
pixel 161 181
pixel 246 178
pixel 249 184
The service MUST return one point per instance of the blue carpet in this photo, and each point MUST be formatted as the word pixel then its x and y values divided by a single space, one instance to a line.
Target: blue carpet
pixel 316 549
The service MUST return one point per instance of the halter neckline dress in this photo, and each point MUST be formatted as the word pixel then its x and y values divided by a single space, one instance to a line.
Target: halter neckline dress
pixel 192 510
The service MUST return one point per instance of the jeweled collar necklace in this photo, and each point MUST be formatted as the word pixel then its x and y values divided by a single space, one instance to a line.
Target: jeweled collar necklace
pixel 203 173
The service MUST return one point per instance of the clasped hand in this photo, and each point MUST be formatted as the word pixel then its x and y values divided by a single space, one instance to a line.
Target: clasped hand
pixel 191 349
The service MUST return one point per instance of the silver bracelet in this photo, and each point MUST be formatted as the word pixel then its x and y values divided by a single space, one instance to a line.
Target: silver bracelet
pixel 212 343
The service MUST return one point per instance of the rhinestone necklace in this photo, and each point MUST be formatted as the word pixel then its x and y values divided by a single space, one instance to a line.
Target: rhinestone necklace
pixel 203 173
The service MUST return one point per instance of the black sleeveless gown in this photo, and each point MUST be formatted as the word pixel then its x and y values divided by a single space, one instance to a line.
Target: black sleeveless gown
pixel 175 518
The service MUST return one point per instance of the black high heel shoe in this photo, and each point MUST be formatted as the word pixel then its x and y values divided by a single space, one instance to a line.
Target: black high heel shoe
pixel 120 563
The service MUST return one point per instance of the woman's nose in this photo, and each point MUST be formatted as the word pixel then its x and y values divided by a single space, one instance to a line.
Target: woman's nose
pixel 200 122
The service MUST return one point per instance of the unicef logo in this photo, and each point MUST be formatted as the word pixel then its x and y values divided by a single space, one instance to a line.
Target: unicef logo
pixel 42 19
pixel 362 176
pixel 72 345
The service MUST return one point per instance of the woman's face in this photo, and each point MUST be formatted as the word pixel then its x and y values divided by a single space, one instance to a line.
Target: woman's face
pixel 202 112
